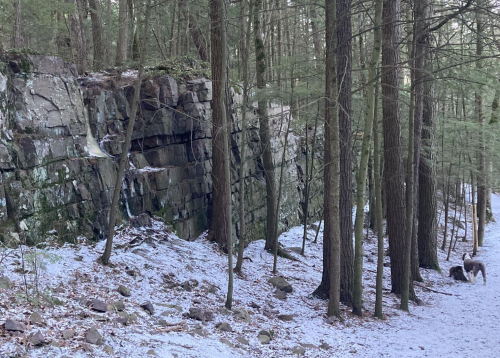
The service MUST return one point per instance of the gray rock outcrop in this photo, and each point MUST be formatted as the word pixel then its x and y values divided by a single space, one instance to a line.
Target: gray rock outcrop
pixel 61 138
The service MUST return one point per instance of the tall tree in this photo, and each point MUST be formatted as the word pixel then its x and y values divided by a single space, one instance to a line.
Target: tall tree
pixel 393 166
pixel 427 177
pixel 128 138
pixel 17 39
pixel 357 304
pixel 78 36
pixel 264 130
pixel 221 226
pixel 97 35
pixel 427 183
pixel 331 233
pixel 481 155
pixel 123 32
pixel 196 34
pixel 246 83
pixel 344 83
pixel 378 212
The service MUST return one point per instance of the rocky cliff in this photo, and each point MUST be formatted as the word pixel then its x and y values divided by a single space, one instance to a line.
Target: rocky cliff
pixel 61 137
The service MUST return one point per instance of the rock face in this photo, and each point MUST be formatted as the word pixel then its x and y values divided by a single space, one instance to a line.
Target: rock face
pixel 61 139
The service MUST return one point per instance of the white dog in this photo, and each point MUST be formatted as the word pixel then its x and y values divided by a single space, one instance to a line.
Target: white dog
pixel 472 267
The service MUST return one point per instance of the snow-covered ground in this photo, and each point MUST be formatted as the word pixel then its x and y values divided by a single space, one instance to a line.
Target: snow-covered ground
pixel 457 319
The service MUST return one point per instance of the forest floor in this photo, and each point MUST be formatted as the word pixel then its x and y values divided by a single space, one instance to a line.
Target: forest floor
pixel 184 280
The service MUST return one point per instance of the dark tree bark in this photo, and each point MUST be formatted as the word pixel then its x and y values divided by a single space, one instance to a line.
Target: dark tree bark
pixel 221 226
pixel 393 168
pixel 481 176
pixel 128 138
pixel 196 34
pixel 78 39
pixel 17 39
pixel 379 211
pixel 344 83
pixel 331 234
pixel 242 224
pixel 422 75
pixel 315 34
pixel 97 35
pixel 427 186
pixel 264 132
pixel 357 302
pixel 171 41
pixel 123 30
pixel 427 177
pixel 220 202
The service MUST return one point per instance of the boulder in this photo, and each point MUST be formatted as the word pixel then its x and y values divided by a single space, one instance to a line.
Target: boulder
pixel 201 314
pixel 227 342
pixel 118 305
pixel 68 333
pixel 35 318
pixel 189 285
pixel 124 291
pixel 98 305
pixel 93 336
pixel 265 336
pixel 243 340
pixel 285 317
pixel 37 339
pixel 148 307
pixel 224 327
pixel 241 314
pixel 281 284
pixel 14 326
pixel 300 351
pixel 281 295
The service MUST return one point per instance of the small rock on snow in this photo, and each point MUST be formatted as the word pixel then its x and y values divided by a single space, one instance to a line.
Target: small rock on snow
pixel 148 307
pixel 93 336
pixel 11 325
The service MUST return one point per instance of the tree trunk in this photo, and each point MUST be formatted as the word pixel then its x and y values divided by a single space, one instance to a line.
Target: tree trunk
pixel 17 39
pixel 331 233
pixel 344 83
pixel 123 30
pixel 246 82
pixel 422 78
pixel 79 41
pixel 309 179
pixel 221 218
pixel 315 35
pixel 196 34
pixel 128 138
pixel 481 175
pixel 378 213
pixel 171 41
pixel 97 36
pixel 371 194
pixel 264 132
pixel 427 185
pixel 393 168
pixel 108 28
pixel 357 303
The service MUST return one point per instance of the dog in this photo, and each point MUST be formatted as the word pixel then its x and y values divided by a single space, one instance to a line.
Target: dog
pixel 457 272
pixel 472 267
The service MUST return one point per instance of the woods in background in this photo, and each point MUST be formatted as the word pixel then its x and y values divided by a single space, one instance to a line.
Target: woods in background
pixel 431 80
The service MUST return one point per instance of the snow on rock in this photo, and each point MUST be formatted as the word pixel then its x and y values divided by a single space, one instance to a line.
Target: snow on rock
pixel 184 284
